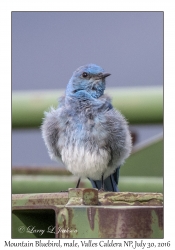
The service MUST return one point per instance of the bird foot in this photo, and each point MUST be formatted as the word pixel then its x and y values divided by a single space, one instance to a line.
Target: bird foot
pixel 101 190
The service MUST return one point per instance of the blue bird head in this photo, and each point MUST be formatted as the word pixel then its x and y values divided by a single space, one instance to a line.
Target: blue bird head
pixel 89 78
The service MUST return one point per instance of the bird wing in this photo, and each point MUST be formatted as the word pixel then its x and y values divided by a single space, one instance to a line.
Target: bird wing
pixel 114 126
pixel 51 127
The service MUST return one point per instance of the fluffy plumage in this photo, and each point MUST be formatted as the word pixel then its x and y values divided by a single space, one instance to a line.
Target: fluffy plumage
pixel 85 132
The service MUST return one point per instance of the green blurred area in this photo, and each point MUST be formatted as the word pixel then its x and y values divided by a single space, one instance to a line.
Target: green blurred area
pixel 147 160
pixel 139 105
pixel 49 184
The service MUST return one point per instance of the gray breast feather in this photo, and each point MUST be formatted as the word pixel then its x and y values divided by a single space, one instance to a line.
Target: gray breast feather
pixel 91 127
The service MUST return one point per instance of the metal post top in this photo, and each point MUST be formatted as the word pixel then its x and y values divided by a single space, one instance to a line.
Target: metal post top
pixel 88 196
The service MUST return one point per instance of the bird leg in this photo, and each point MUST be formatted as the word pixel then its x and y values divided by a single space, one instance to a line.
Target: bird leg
pixel 102 184
pixel 78 183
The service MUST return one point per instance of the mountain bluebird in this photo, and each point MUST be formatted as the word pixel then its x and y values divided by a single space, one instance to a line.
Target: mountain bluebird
pixel 90 137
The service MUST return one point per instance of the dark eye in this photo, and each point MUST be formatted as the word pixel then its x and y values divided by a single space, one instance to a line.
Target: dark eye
pixel 85 74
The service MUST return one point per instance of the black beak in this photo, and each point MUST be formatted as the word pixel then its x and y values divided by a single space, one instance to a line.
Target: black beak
pixel 104 75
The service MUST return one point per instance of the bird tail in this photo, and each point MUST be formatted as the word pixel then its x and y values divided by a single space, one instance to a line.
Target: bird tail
pixel 110 183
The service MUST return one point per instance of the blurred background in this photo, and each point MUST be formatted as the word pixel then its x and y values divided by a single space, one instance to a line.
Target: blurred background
pixel 48 46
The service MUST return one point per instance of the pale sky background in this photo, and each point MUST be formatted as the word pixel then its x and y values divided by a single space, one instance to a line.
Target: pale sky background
pixel 48 46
